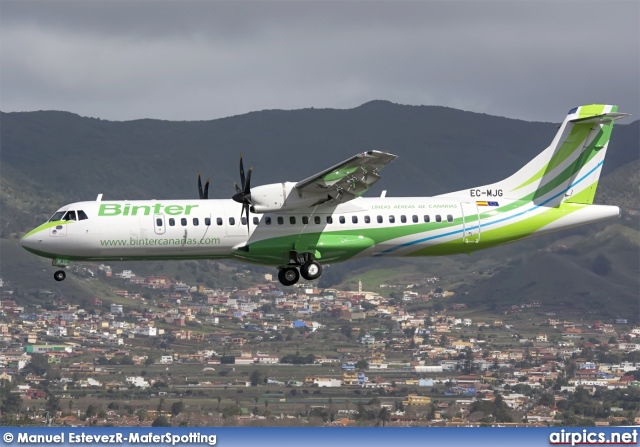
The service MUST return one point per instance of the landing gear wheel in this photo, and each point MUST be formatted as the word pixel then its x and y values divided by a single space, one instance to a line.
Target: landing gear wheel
pixel 311 270
pixel 288 276
pixel 60 275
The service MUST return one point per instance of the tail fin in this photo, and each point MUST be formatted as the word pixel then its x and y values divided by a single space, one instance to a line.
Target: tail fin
pixel 569 169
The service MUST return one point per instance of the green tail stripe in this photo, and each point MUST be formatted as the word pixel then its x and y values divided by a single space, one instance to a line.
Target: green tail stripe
pixel 568 147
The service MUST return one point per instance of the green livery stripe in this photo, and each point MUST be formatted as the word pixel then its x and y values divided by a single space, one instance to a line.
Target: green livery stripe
pixel 577 135
pixel 585 196
pixel 48 225
pixel 338 174
pixel 500 235
pixel 591 110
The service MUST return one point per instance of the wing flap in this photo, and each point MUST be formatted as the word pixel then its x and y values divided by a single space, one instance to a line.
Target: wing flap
pixel 347 180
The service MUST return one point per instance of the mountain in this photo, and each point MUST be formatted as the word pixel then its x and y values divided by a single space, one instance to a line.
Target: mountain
pixel 50 158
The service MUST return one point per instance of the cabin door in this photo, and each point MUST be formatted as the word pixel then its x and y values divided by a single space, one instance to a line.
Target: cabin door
pixel 470 222
pixel 159 223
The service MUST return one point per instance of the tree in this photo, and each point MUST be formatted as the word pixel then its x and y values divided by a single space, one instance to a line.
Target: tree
pixel 11 404
pixel 177 408
pixel 53 404
pixel 91 411
pixel 161 421
pixel 38 365
pixel 255 378
pixel 384 415
pixel 547 400
pixel 362 364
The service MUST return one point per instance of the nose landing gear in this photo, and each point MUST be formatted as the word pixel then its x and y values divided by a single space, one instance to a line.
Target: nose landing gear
pixel 60 275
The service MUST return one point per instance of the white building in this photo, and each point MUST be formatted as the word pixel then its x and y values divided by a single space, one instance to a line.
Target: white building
pixel 137 381
pixel 323 382
pixel 117 309
pixel 147 331
pixel 57 331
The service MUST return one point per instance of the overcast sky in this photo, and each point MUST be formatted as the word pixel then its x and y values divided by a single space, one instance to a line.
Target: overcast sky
pixel 200 60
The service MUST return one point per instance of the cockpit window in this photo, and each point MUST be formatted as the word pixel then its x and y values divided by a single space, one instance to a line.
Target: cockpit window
pixel 71 215
pixel 57 216
pixel 82 215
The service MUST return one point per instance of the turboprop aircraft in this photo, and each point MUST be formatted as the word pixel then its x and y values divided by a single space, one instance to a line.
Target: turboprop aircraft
pixel 298 227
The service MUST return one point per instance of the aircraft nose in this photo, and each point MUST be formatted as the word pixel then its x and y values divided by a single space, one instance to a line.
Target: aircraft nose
pixel 30 241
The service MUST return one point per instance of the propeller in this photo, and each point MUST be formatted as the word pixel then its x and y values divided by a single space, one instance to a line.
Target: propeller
pixel 243 192
pixel 205 194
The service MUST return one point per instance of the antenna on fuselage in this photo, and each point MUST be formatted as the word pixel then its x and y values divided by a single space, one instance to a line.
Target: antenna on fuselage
pixel 99 198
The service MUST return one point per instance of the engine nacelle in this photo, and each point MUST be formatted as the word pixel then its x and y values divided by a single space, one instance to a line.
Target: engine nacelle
pixel 280 197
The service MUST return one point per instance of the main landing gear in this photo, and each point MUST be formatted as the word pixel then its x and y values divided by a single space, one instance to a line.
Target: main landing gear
pixel 309 269
pixel 60 275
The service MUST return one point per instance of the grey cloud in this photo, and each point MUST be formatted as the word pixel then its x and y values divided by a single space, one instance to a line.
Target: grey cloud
pixel 202 60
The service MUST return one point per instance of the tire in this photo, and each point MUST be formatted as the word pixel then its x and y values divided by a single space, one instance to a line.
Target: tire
pixel 60 275
pixel 311 270
pixel 288 276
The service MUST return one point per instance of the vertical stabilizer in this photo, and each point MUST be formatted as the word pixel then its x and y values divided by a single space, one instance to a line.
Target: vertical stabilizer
pixel 569 169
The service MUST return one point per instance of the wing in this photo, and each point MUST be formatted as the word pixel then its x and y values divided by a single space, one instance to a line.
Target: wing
pixel 346 180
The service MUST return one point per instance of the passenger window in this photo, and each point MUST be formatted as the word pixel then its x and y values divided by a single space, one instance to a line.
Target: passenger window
pixel 367 219
pixel 392 219
pixel 196 222
pixel 232 221
pixel 342 220
pixel 449 218
pixel 243 220
pixel 354 219
pixel 267 220
pixel 256 221
pixel 219 220
pixel 159 222
pixel 329 219
pixel 183 221
pixel 172 222
pixel 414 218
pixel 305 220
pixel 82 215
pixel 403 219
pixel 427 219
pixel 438 218
pixel 71 215
pixel 280 220
pixel 316 219
pixel 292 220
pixel 380 220
pixel 207 221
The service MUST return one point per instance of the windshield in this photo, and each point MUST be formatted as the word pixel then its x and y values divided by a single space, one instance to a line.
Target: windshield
pixel 57 216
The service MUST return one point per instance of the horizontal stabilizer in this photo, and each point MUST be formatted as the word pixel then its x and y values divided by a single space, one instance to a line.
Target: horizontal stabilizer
pixel 600 119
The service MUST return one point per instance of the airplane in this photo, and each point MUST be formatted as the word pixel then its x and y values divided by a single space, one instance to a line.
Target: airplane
pixel 300 226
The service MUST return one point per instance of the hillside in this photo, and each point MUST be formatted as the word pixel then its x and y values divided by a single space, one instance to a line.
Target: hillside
pixel 52 158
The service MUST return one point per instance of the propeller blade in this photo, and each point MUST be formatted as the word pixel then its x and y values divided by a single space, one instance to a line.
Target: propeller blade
pixel 206 189
pixel 246 207
pixel 242 179
pixel 200 186
pixel 247 185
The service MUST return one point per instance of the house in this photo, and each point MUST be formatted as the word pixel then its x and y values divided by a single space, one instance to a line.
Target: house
pixel 414 399
pixel 323 382
pixel 137 381
pixel 117 309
